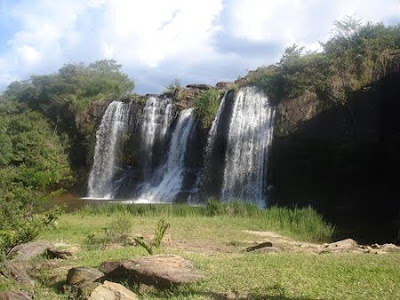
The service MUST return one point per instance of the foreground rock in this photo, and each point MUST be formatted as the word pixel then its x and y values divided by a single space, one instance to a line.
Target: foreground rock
pixel 54 252
pixel 18 272
pixel 286 245
pixel 347 244
pixel 158 270
pixel 80 275
pixel 30 250
pixel 14 296
pixel 112 291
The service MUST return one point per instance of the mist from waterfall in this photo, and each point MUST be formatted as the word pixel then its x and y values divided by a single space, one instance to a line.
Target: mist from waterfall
pixel 108 142
pixel 250 135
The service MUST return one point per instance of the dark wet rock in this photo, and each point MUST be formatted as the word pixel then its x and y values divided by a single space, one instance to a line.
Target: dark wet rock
pixel 259 246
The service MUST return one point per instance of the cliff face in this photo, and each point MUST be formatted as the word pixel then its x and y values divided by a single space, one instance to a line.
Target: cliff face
pixel 340 158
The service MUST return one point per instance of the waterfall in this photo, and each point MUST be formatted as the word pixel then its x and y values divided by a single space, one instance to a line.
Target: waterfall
pixel 108 142
pixel 157 116
pixel 212 135
pixel 172 172
pixel 250 135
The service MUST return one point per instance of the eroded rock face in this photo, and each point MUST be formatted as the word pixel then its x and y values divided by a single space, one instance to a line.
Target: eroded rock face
pixel 157 270
pixel 30 250
pixel 112 291
pixel 80 275
pixel 292 112
pixel 14 296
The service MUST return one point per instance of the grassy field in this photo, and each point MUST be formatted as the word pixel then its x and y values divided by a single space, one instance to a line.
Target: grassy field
pixel 213 241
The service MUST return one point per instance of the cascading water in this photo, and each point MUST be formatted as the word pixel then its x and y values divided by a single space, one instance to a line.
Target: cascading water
pixel 167 158
pixel 108 141
pixel 157 116
pixel 212 135
pixel 250 135
pixel 172 172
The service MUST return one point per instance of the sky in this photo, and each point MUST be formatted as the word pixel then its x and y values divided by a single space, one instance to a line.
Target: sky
pixel 159 41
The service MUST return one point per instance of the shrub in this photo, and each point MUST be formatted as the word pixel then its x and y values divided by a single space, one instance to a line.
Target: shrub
pixel 206 107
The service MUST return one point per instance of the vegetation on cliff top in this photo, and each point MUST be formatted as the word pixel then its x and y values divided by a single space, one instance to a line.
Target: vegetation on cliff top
pixel 352 58
pixel 206 107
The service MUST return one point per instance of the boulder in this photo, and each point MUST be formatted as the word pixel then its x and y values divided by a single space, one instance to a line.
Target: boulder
pixel 158 270
pixel 30 250
pixel 390 248
pixel 80 275
pixel 17 271
pixel 61 253
pixel 347 244
pixel 14 296
pixel 112 291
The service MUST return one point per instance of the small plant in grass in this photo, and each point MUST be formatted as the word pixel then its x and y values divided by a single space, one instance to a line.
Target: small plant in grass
pixel 159 233
pixel 118 230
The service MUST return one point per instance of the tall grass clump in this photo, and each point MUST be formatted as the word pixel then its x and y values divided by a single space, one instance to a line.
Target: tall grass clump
pixel 304 223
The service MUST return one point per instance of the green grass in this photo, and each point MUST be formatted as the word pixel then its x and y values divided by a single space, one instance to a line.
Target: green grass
pixel 302 223
pixel 213 242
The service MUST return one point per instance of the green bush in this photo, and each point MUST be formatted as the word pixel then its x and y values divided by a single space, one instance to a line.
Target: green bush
pixel 206 107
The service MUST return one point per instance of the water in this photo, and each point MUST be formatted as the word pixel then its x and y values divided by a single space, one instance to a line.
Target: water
pixel 235 156
pixel 212 135
pixel 172 172
pixel 108 143
pixel 250 135
pixel 157 116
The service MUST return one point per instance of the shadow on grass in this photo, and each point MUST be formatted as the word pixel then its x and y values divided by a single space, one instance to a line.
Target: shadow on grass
pixel 275 292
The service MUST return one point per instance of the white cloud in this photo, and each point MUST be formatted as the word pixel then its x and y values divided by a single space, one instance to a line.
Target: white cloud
pixel 194 40
pixel 29 55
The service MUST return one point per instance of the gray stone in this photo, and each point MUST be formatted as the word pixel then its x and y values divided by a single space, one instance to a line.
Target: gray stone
pixel 29 250
pixel 80 275
pixel 14 296
pixel 17 271
pixel 347 244
pixel 390 248
pixel 158 270
pixel 112 291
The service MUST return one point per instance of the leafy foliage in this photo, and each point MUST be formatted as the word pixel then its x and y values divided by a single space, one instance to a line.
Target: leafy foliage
pixel 159 233
pixel 32 161
pixel 206 106
pixel 353 57
pixel 62 97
